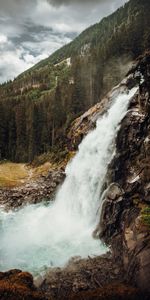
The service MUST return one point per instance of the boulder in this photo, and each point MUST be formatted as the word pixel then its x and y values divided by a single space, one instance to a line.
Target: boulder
pixel 112 208
pixel 114 192
pixel 18 285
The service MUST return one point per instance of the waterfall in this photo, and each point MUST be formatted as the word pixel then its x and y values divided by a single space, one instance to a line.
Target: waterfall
pixel 40 236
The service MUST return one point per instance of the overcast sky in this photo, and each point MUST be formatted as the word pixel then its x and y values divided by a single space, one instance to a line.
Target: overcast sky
pixel 30 30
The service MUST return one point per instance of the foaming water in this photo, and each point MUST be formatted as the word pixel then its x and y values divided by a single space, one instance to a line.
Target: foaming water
pixel 40 236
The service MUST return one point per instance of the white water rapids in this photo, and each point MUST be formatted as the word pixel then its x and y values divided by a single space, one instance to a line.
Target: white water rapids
pixel 40 236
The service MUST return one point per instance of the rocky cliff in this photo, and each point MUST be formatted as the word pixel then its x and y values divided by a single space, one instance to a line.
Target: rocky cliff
pixel 125 219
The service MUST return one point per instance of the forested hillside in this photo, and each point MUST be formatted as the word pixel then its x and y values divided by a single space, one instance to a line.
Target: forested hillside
pixel 38 106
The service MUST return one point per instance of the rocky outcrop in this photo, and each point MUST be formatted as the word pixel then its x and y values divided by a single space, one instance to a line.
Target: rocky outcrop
pixel 34 191
pixel 86 122
pixel 17 285
pixel 93 278
pixel 136 253
pixel 122 225
pixel 67 285
pixel 112 208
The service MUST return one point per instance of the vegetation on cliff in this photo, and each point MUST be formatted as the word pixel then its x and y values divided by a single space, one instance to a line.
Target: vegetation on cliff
pixel 146 216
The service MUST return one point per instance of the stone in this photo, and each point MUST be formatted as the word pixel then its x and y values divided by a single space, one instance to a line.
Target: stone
pixel 18 285
pixel 114 192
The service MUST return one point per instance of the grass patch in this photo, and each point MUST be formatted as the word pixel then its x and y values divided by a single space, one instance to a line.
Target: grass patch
pixel 16 174
pixel 12 174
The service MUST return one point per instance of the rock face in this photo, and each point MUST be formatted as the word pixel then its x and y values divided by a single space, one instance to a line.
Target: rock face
pixel 122 225
pixel 32 192
pixel 85 123
pixel 112 208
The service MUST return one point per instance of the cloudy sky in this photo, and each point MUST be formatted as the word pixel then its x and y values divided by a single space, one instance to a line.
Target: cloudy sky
pixel 30 30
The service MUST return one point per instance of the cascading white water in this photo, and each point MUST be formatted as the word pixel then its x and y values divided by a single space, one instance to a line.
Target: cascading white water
pixel 37 235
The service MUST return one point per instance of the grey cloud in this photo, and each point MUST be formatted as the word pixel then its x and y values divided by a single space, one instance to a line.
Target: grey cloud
pixel 30 30
pixel 21 6
pixel 20 53
pixel 15 7
pixel 83 2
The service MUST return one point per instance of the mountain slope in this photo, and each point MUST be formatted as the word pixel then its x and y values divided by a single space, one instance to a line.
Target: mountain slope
pixel 37 107
pixel 105 31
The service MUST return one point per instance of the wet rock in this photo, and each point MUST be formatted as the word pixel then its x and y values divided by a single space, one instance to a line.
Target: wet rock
pixel 81 275
pixel 136 255
pixel 114 192
pixel 112 208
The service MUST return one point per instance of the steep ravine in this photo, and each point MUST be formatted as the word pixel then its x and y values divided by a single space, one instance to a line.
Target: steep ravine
pixel 122 225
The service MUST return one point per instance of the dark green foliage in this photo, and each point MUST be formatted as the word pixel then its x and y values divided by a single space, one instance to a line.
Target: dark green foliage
pixel 37 107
